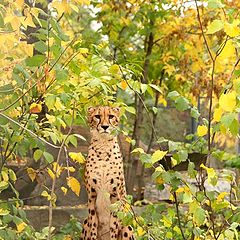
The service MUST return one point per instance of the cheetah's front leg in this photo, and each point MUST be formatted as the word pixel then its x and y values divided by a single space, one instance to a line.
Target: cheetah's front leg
pixel 90 224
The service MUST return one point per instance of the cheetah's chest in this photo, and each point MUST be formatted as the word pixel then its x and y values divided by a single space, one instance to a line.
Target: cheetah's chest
pixel 103 167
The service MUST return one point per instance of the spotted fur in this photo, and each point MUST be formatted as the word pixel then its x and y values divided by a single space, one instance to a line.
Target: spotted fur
pixel 104 177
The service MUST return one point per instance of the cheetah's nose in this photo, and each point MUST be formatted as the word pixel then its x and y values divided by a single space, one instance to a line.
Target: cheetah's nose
pixel 105 127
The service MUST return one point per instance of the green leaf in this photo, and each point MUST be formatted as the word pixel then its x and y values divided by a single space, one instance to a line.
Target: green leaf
pixel 195 113
pixel 146 160
pixel 191 170
pixel 40 46
pixel 80 137
pixel 50 101
pixel 157 88
pixel 200 196
pixel 131 110
pixel 37 154
pixel 73 140
pixel 144 87
pixel 182 104
pixel 199 216
pixel 234 127
pixel 61 75
pixel 3 185
pixel 181 156
pixel 215 4
pixel 12 175
pixel 35 61
pixel 49 157
pixel 215 26
pixel 155 110
pixel 173 95
pixel 227 119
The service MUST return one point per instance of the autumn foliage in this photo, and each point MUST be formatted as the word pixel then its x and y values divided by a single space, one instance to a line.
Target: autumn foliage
pixel 60 57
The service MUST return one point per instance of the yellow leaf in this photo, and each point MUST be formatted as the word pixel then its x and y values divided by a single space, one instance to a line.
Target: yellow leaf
pixel 162 101
pixel 210 172
pixel 64 190
pixel 14 21
pixel 31 173
pixel 173 161
pixel 221 196
pixel 3 212
pixel 217 115
pixel 57 169
pixel 45 194
pixel 126 207
pixel 83 50
pixel 62 7
pixel 228 101
pixel 158 155
pixel 83 2
pixel 138 150
pixel 51 119
pixel 70 169
pixel 124 85
pixel 74 184
pixel 232 29
pixel 114 69
pixel 58 105
pixel 21 226
pixel 5 176
pixel 50 172
pixel 35 108
pixel 169 69
pixel 140 231
pixel 202 130
pixel 159 169
pixel 180 190
pixel 27 20
pixel 228 50
pixel 159 180
pixel 19 3
pixel 77 157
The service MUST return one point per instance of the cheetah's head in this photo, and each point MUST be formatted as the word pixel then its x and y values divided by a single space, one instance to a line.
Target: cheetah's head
pixel 103 119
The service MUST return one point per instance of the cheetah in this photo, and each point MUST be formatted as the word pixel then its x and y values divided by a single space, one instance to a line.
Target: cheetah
pixel 104 177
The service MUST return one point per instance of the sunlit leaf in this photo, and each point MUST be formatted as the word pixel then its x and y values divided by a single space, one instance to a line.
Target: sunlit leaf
pixel 228 101
pixel 21 226
pixel 215 26
pixel 74 184
pixel 140 231
pixel 35 108
pixel 3 212
pixel 202 130
pixel 64 190
pixel 32 173
pixel 158 155
pixel 232 29
pixel 77 157
pixel 50 172
pixel 138 150
pixel 217 114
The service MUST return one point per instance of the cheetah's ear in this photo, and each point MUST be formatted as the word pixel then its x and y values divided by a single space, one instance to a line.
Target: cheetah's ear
pixel 91 110
pixel 117 110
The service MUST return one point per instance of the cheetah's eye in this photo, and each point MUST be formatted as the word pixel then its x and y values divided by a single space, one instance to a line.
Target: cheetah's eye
pixel 111 116
pixel 97 116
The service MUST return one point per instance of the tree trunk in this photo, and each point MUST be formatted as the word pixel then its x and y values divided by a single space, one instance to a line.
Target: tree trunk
pixel 135 167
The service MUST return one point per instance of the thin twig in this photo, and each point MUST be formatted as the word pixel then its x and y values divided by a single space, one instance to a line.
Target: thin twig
pixel 201 27
pixel 29 131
